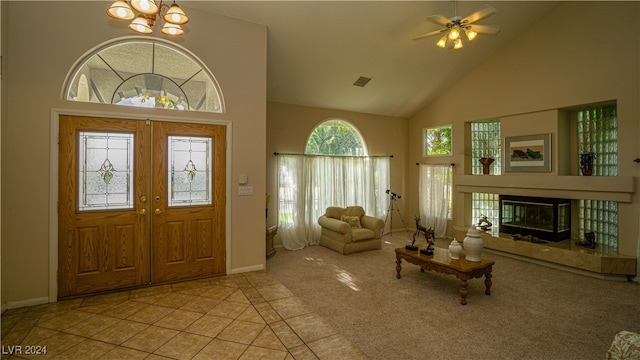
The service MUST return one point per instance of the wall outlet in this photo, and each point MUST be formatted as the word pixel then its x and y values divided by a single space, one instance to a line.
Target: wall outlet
pixel 243 179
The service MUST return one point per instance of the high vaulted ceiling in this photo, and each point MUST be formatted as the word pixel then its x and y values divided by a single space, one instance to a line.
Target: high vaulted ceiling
pixel 318 49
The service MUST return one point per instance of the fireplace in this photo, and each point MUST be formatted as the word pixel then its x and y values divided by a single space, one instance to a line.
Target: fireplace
pixel 545 218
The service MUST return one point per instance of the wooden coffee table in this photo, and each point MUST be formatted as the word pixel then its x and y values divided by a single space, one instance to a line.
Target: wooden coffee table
pixel 442 263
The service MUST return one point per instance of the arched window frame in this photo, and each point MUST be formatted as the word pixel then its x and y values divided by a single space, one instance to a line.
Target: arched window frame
pixel 344 124
pixel 211 87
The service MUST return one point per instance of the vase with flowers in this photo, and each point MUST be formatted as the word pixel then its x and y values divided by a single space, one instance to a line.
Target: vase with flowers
pixel 586 163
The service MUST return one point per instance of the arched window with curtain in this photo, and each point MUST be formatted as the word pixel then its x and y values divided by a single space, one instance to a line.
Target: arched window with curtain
pixel 333 171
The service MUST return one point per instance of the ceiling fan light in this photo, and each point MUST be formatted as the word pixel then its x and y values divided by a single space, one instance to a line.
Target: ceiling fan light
pixel 172 29
pixel 175 15
pixel 147 7
pixel 457 44
pixel 454 33
pixel 120 10
pixel 141 25
pixel 442 43
pixel 471 34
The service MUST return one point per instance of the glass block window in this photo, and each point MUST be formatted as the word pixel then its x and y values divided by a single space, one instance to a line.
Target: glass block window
pixel 190 171
pixel 601 217
pixel 105 176
pixel 488 205
pixel 485 142
pixel 597 132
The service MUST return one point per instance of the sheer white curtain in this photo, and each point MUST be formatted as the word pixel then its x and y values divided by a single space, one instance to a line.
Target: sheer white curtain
pixel 309 184
pixel 434 197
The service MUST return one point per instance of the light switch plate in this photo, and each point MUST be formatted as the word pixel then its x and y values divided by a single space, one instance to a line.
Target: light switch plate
pixel 245 190
pixel 243 179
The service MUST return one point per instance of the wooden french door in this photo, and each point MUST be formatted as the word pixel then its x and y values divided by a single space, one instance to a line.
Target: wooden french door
pixel 140 202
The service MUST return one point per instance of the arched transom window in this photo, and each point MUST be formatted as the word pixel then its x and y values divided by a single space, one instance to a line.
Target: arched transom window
pixel 145 73
pixel 335 137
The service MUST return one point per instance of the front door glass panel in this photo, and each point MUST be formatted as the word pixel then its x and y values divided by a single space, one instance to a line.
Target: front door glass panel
pixel 190 170
pixel 105 171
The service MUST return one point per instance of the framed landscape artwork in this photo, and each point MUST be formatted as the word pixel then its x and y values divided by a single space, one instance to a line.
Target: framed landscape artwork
pixel 530 153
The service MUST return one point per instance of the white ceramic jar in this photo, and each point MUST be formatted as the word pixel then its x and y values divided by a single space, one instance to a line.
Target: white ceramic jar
pixel 455 249
pixel 473 245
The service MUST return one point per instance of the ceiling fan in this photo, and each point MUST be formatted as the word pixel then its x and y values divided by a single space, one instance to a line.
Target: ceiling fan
pixel 455 26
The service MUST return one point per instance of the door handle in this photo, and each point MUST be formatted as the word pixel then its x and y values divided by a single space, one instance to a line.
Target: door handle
pixel 158 211
pixel 142 212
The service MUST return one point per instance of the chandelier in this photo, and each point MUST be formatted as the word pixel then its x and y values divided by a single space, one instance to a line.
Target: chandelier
pixel 149 12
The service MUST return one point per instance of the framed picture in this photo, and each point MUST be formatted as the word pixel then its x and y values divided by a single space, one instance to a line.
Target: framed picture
pixel 528 153
pixel 437 141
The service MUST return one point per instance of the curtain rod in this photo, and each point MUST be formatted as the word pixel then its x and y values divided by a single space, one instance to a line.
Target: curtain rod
pixel 451 164
pixel 277 153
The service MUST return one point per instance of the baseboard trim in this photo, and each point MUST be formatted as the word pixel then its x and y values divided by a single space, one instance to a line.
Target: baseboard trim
pixel 25 303
pixel 247 269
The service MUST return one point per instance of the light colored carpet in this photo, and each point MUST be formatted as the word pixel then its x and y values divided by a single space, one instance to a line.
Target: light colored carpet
pixel 533 312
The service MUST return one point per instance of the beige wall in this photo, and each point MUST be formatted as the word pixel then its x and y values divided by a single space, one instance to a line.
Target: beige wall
pixel 44 41
pixel 289 126
pixel 581 53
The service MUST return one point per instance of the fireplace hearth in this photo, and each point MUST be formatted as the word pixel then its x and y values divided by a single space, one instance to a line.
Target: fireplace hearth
pixel 546 218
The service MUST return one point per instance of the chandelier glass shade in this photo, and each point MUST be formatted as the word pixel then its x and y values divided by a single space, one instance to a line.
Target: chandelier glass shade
pixel 149 11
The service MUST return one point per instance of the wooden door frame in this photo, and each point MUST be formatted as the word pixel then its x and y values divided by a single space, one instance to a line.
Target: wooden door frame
pixel 54 169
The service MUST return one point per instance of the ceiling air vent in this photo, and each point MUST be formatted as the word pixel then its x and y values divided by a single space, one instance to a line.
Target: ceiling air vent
pixel 362 81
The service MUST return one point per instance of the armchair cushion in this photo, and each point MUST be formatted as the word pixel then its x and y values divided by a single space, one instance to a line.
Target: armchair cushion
pixel 354 211
pixel 353 221
pixel 362 234
pixel 334 212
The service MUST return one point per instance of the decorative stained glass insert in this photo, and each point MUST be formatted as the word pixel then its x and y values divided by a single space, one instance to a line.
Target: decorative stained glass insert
pixel 190 170
pixel 105 176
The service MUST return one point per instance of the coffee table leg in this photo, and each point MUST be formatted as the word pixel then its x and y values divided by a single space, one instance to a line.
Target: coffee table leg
pixel 487 283
pixel 463 292
pixel 398 267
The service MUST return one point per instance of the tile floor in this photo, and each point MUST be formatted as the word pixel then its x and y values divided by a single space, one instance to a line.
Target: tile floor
pixel 246 316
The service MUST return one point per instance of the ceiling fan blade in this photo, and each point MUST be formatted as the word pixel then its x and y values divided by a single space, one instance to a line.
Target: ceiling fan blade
pixel 486 11
pixel 426 35
pixel 439 19
pixel 485 29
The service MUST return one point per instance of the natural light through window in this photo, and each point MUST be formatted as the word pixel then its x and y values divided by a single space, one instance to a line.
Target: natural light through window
pixel 335 137
pixel 144 73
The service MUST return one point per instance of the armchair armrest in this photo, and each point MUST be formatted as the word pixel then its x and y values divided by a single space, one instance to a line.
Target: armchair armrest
pixel 372 223
pixel 334 224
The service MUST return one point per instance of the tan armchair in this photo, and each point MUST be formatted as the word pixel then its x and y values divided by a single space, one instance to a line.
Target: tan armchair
pixel 348 230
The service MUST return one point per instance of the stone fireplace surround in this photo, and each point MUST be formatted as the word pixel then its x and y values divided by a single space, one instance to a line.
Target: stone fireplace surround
pixel 601 262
